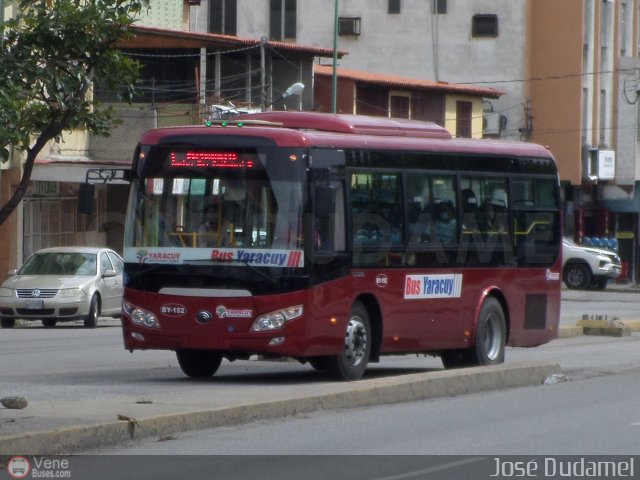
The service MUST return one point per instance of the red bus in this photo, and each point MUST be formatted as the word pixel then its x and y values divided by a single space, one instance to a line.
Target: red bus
pixel 337 239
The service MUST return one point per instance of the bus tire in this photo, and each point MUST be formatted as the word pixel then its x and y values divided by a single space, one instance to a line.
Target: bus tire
pixel 352 362
pixel 199 363
pixel 491 335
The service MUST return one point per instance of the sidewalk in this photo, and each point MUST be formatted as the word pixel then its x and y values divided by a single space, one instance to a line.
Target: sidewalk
pixel 47 428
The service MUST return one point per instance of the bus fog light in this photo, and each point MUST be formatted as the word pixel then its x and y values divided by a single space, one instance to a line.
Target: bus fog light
pixel 276 341
pixel 276 320
pixel 137 336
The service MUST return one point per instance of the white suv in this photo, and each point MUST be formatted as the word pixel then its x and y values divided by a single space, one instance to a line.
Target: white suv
pixel 588 267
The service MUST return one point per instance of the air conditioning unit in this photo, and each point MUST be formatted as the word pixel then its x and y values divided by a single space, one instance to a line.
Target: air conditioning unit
pixel 493 124
pixel 348 25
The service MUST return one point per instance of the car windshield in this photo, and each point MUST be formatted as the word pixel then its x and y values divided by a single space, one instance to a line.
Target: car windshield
pixel 60 263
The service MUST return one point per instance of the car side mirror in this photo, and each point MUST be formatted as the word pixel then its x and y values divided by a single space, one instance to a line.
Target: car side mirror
pixel 13 272
pixel 109 274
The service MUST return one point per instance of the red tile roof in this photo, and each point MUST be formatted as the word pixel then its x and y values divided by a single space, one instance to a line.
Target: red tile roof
pixel 404 82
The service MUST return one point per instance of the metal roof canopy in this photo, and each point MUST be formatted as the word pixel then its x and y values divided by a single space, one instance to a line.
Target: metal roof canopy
pixel 162 39
pixel 148 37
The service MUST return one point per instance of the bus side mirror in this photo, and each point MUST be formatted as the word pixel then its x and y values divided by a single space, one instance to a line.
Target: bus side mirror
pixel 85 198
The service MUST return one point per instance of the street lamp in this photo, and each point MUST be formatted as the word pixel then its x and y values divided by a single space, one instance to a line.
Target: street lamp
pixel 295 89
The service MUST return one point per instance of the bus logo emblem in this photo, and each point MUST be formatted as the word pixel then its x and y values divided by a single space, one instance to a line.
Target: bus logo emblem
pixel 203 316
pixel 224 312
pixel 382 280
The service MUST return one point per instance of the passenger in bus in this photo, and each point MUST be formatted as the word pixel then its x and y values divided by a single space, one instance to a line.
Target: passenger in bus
pixel 420 224
pixel 469 211
pixel 491 219
pixel 446 224
pixel 208 232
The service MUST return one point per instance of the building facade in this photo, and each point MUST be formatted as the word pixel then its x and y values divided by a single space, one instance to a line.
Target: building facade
pixel 568 70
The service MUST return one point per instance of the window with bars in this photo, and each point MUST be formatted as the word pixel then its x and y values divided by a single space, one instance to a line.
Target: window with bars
pixel 282 19
pixel 223 16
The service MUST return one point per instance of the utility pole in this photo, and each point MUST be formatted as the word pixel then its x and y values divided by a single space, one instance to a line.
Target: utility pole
pixel 263 74
pixel 334 77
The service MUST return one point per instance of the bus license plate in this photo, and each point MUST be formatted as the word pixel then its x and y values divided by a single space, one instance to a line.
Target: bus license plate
pixel 34 304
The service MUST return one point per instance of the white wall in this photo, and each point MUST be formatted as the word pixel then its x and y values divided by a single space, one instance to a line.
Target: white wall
pixel 418 44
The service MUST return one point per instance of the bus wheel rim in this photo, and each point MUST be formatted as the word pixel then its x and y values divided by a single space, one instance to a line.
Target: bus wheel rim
pixel 493 337
pixel 355 341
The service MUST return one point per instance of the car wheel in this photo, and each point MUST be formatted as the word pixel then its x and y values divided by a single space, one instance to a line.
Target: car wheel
pixel 7 322
pixel 91 320
pixel 352 362
pixel 577 276
pixel 199 363
pixel 49 323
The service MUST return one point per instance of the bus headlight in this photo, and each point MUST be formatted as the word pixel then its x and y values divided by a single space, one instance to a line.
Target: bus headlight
pixel 140 316
pixel 276 320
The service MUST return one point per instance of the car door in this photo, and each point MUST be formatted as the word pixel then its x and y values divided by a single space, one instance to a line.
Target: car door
pixel 111 286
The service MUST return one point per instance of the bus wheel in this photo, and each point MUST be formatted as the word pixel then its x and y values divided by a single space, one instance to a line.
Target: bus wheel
pixel 199 363
pixel 352 362
pixel 491 335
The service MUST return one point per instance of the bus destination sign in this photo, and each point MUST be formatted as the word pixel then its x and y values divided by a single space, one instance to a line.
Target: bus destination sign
pixel 209 159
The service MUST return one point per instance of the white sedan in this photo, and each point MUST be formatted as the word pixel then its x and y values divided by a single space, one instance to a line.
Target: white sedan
pixel 63 284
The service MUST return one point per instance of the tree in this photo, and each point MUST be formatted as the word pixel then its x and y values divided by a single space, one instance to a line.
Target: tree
pixel 50 55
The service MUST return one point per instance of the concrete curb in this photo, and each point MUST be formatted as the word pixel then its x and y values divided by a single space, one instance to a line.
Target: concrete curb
pixel 627 327
pixel 363 393
pixel 568 332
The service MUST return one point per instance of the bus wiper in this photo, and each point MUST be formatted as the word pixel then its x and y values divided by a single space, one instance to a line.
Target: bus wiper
pixel 260 272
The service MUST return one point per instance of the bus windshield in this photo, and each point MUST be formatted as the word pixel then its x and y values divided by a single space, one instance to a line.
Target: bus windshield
pixel 220 201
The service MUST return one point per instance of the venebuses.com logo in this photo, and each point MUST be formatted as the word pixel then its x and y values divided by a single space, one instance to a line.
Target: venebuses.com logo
pixel 38 467
pixel 18 467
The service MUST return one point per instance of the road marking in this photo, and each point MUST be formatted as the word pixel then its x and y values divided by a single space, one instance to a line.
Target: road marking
pixel 437 468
